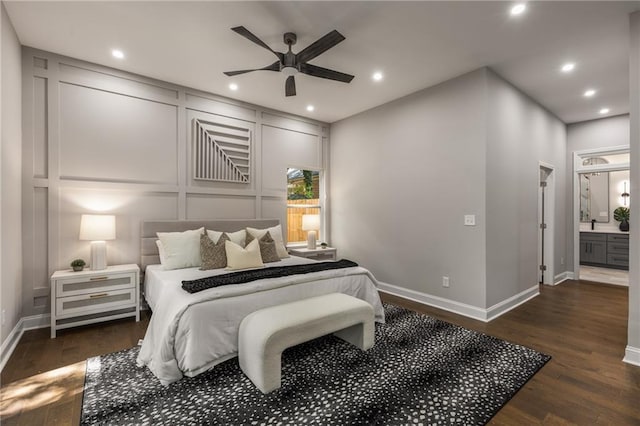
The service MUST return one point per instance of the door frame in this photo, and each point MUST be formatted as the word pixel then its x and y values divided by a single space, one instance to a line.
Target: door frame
pixel 550 218
pixel 579 168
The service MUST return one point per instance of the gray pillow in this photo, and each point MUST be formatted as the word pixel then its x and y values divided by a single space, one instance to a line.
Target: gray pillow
pixel 213 255
pixel 268 249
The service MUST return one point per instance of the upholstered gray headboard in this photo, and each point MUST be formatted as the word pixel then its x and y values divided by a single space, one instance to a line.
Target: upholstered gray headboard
pixel 148 237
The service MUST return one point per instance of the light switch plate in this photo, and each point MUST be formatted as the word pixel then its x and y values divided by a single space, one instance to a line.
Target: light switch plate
pixel 469 220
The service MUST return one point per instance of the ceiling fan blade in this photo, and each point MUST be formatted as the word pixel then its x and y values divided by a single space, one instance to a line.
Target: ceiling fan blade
pixel 316 71
pixel 290 86
pixel 273 67
pixel 249 35
pixel 319 46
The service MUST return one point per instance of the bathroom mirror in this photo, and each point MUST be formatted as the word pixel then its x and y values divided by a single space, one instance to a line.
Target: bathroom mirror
pixel 594 197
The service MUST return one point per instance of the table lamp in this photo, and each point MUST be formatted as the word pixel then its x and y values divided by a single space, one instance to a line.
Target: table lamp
pixel 311 223
pixel 98 228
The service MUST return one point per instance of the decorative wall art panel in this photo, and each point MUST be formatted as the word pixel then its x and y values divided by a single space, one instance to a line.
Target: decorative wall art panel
pixel 221 152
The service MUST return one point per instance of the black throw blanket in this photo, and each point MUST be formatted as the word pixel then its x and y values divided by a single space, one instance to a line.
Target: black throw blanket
pixel 241 277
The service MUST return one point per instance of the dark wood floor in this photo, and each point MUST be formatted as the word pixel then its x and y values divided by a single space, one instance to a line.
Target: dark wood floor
pixel 582 325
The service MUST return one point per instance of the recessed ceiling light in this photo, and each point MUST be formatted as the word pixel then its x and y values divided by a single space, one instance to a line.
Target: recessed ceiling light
pixel 518 9
pixel 233 86
pixel 604 110
pixel 589 93
pixel 310 108
pixel 117 53
pixel 568 67
pixel 377 76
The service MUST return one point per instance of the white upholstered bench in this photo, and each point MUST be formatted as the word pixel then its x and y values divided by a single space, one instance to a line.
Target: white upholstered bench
pixel 266 333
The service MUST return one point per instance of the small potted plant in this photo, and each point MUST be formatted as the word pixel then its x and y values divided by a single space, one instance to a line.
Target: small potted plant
pixel 78 265
pixel 323 245
pixel 621 214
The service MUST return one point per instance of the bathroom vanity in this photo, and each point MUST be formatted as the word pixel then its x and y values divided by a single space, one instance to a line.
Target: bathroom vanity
pixel 604 249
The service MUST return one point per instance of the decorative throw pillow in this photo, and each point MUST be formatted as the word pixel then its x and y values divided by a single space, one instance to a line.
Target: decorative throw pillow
pixel 213 255
pixel 181 249
pixel 276 234
pixel 267 247
pixel 243 258
pixel 237 237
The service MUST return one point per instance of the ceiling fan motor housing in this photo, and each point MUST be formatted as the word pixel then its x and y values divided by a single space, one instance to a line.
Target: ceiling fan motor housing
pixel 290 39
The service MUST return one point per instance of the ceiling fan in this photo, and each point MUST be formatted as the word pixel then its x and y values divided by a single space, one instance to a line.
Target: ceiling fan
pixel 291 63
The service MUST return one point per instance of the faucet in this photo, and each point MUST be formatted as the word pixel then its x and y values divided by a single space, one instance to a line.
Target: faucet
pixel 593 224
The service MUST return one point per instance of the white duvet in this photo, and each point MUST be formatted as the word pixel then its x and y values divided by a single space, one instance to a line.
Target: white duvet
pixel 190 333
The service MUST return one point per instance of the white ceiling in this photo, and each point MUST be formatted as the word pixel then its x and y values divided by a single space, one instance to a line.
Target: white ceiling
pixel 415 45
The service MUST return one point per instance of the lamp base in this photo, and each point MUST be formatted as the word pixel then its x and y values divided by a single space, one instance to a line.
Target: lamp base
pixel 311 240
pixel 98 255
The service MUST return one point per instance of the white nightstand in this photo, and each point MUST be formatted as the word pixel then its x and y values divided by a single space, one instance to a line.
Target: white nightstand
pixel 86 297
pixel 319 253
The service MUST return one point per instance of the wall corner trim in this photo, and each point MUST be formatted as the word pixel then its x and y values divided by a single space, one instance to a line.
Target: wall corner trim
pixel 459 308
pixel 632 356
pixel 24 324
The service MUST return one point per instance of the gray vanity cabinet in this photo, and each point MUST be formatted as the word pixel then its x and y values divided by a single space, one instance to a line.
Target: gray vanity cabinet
pixel 618 250
pixel 593 248
pixel 606 250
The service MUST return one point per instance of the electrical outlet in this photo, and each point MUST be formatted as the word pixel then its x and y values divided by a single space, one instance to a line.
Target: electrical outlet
pixel 469 220
pixel 4 316
pixel 445 281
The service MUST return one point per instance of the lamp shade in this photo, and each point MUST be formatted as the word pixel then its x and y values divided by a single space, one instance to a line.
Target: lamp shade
pixel 310 222
pixel 98 227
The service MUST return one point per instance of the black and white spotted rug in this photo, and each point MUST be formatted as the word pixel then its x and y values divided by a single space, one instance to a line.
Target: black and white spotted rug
pixel 420 371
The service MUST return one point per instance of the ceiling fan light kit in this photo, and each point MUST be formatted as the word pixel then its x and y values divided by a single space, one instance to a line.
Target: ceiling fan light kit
pixel 290 63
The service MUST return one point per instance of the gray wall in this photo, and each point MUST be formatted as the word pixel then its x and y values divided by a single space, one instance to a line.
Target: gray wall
pixel 520 134
pixel 10 175
pixel 633 330
pixel 102 140
pixel 593 134
pixel 405 174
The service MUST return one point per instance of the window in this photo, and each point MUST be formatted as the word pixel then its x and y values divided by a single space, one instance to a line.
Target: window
pixel 303 197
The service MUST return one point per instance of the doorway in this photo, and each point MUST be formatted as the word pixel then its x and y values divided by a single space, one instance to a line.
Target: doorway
pixel 546 221
pixel 600 246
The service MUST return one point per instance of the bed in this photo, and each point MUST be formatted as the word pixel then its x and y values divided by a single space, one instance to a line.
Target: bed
pixel 190 333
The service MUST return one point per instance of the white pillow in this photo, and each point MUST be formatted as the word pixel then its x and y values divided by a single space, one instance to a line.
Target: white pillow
pixel 276 234
pixel 243 258
pixel 181 249
pixel 163 257
pixel 238 237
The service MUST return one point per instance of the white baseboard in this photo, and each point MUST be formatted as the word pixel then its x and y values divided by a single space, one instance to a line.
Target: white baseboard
pixel 24 324
pixel 513 302
pixel 459 308
pixel 632 355
pixel 567 275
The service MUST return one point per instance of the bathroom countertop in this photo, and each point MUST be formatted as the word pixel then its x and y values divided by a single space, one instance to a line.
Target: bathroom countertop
pixel 605 231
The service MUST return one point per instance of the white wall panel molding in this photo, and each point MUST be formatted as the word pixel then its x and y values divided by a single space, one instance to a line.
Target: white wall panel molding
pixel 83 76
pixel 202 206
pixel 110 185
pixel 97 139
pixel 115 137
pixel 288 123
pixel 220 106
pixel 220 191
